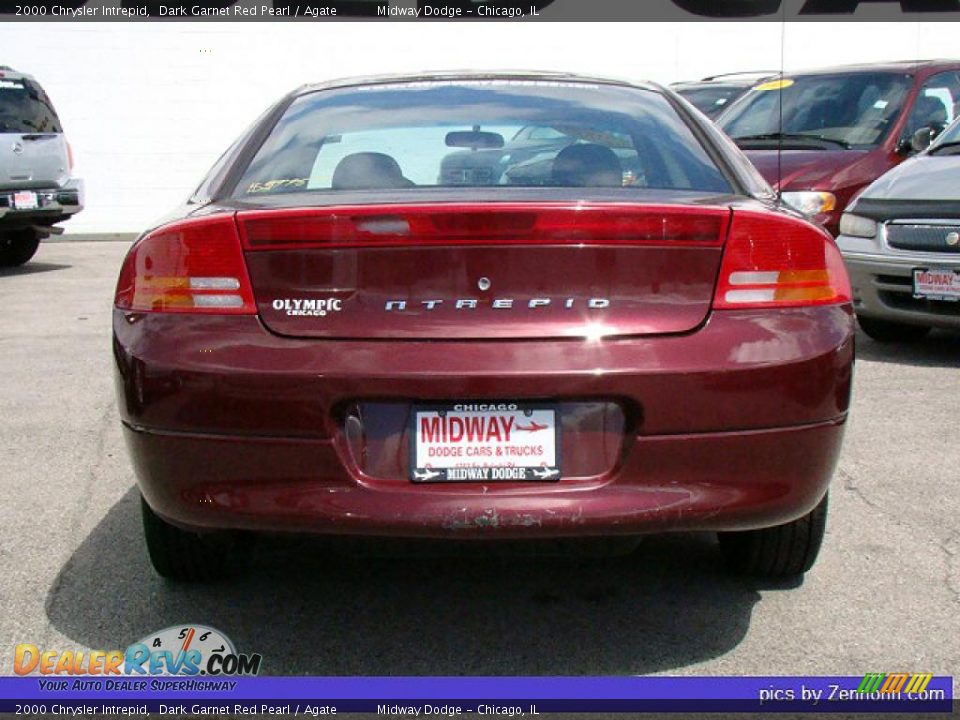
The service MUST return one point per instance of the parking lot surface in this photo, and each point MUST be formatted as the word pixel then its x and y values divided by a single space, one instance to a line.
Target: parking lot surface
pixel 885 595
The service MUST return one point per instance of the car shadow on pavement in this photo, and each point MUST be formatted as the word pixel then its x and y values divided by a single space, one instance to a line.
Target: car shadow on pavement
pixel 939 349
pixel 33 268
pixel 330 607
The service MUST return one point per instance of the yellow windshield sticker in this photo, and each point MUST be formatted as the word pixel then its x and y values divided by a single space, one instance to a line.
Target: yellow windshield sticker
pixel 774 85
pixel 271 185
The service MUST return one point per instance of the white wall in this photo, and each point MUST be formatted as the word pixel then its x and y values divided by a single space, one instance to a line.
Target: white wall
pixel 148 107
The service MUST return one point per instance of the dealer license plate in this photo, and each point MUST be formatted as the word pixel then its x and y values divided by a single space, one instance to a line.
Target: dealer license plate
pixel 25 200
pixel 936 284
pixel 485 442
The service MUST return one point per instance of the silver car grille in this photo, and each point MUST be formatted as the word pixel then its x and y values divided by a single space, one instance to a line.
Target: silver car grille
pixel 926 238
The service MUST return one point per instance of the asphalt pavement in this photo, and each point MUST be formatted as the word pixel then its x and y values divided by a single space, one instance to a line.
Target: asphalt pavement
pixel 884 597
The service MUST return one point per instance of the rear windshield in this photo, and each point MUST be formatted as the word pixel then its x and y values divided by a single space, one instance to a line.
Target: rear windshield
pixel 848 109
pixel 25 108
pixel 712 99
pixel 480 134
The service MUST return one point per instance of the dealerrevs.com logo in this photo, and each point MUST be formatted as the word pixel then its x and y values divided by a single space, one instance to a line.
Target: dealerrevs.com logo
pixel 181 650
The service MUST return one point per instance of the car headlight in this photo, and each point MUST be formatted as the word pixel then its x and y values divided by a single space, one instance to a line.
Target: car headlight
pixel 857 226
pixel 810 202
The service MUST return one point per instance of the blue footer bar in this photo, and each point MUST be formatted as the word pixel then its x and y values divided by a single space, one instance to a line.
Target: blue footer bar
pixel 465 697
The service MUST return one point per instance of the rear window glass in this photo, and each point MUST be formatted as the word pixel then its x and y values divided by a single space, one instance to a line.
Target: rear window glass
pixel 480 134
pixel 25 108
pixel 712 100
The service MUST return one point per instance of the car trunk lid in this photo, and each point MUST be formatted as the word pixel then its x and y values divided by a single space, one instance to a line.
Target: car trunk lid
pixel 484 271
pixel 33 160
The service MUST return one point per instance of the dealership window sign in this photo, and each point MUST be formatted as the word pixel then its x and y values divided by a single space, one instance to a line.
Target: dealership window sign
pixel 495 10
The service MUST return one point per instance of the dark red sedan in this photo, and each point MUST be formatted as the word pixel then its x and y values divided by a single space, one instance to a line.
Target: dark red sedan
pixel 618 334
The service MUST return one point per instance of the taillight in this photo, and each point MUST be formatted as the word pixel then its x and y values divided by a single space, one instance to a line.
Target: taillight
pixel 69 158
pixel 776 261
pixel 481 224
pixel 191 266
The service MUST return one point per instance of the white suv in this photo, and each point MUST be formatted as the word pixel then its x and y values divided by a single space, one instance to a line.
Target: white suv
pixel 36 187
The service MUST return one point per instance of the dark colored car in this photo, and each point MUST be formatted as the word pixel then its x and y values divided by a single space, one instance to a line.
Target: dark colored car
pixel 326 339
pixel 527 158
pixel 840 128
pixel 713 95
pixel 486 165
pixel 37 189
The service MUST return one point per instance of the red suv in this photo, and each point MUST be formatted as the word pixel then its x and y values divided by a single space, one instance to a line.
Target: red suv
pixel 839 129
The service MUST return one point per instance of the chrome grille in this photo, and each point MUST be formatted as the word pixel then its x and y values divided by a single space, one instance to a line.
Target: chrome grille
pixel 928 238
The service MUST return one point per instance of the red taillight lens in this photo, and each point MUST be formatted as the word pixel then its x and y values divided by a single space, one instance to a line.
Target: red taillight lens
pixel 777 261
pixel 481 224
pixel 191 266
pixel 69 158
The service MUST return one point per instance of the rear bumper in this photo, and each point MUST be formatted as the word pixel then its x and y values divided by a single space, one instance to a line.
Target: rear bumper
pixel 55 204
pixel 883 289
pixel 737 425
pixel 716 481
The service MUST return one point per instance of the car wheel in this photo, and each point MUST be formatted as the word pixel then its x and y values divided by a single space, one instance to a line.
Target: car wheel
pixel 17 247
pixel 886 331
pixel 777 552
pixel 188 556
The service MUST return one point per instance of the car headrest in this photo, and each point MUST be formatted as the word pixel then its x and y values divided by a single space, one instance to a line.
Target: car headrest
pixel 587 165
pixel 368 171
pixel 930 111
pixel 826 113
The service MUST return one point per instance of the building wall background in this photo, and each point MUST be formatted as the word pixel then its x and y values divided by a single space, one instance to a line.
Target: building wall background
pixel 148 107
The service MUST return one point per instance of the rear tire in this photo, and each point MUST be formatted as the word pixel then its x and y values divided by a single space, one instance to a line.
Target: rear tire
pixel 886 331
pixel 782 551
pixel 187 556
pixel 17 247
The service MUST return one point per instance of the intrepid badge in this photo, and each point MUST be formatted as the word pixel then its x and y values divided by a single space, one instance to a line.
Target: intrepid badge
pixel 498 304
